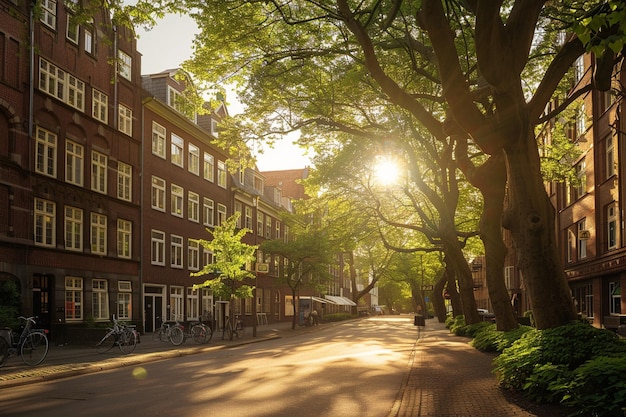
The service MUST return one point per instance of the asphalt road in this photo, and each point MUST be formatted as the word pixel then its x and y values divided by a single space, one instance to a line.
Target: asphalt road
pixel 355 369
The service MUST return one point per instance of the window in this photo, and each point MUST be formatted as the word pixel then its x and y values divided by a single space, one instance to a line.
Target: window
pixel 268 227
pixel 582 241
pixel 73 228
pixel 579 68
pixel 610 157
pixel 177 193
pixel 88 37
pixel 193 165
pixel 208 209
pixel 583 299
pixel 100 299
pixel 209 167
pixel 51 79
pixel 207 257
pixel 124 238
pixel 581 122
pixel 124 300
pixel 277 230
pixel 176 303
pixel 248 218
pixel 49 13
pixel 177 150
pixel 75 92
pixel 571 245
pixel 124 181
pixel 207 304
pixel 176 252
pixel 581 187
pixel 45 219
pixel 193 304
pixel 242 176
pixel 615 297
pixel 46 152
pixel 73 298
pixel 239 210
pixel 193 207
pixel 74 158
pixel 158 140
pixel 73 29
pixel 125 120
pixel 193 255
pixel 611 226
pixel 158 193
pixel 99 106
pixel 221 214
pixel 221 174
pixel 259 223
pixel 98 172
pixel 178 102
pixel 98 234
pixel 157 239
pixel 124 64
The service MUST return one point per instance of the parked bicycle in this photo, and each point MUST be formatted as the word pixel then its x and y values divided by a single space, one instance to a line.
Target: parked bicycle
pixel 171 331
pixel 124 336
pixel 32 345
pixel 237 330
pixel 199 332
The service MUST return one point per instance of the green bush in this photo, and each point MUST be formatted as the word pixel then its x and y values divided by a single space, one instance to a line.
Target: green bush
pixel 598 388
pixel 471 330
pixel 490 339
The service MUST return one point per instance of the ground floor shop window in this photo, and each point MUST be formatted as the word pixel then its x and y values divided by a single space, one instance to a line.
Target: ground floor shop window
pixel 73 298
pixel 615 297
pixel 583 299
pixel 99 299
pixel 124 300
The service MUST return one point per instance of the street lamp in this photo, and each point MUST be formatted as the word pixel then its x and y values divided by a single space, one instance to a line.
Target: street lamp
pixel 255 202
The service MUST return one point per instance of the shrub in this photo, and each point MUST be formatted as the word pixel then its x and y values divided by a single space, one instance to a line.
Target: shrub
pixel 598 387
pixel 490 339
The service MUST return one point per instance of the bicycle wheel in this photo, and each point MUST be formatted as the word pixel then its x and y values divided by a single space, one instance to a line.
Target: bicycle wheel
pixel 199 334
pixel 34 349
pixel 4 350
pixel 158 335
pixel 177 336
pixel 106 343
pixel 128 341
pixel 209 334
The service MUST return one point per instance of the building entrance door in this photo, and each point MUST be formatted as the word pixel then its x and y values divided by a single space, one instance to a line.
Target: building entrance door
pixel 154 310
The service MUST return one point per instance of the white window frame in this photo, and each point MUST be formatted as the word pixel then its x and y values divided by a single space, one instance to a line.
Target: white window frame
pixel 74 162
pixel 125 120
pixel 176 303
pixel 614 299
pixel 221 214
pixel 193 160
pixel 193 207
pixel 193 304
pixel 611 226
pixel 45 222
pixel 193 255
pixel 124 181
pixel 209 167
pixel 157 245
pixel 99 106
pixel 208 257
pixel 582 243
pixel 177 148
pixel 46 152
pixel 221 174
pixel 72 30
pixel 99 164
pixel 73 228
pixel 158 193
pixel 176 251
pixel 100 299
pixel 177 194
pixel 49 13
pixel 159 134
pixel 208 211
pixel 88 40
pixel 124 300
pixel 73 299
pixel 75 92
pixel 124 65
pixel 98 234
pixel 124 238
pixel 610 157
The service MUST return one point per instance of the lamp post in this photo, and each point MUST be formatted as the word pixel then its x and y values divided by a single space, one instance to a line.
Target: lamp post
pixel 255 201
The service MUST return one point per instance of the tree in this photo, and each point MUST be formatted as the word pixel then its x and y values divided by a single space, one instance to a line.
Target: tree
pixel 228 273
pixel 308 253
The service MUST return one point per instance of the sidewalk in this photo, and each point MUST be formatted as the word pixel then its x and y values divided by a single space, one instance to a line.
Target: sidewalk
pixel 69 360
pixel 449 378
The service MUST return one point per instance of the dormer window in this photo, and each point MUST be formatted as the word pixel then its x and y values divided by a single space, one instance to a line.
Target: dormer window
pixel 124 65
pixel 258 184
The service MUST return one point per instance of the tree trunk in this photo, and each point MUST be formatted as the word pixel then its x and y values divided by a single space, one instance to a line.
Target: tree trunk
pixel 531 219
pixel 439 303
pixel 454 256
pixel 453 293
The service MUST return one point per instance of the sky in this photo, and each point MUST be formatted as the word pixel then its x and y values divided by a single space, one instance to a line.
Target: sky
pixel 168 45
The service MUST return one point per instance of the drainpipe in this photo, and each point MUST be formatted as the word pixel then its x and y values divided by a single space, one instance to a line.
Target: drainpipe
pixel 31 87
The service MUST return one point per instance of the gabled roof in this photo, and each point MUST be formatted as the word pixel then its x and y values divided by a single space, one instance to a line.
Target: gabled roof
pixel 288 181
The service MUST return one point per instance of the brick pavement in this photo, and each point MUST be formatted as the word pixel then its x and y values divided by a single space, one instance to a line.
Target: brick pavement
pixel 449 378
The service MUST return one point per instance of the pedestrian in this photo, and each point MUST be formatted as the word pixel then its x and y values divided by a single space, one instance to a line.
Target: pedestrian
pixel 315 318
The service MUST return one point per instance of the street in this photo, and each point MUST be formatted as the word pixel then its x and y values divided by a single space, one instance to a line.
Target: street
pixel 355 369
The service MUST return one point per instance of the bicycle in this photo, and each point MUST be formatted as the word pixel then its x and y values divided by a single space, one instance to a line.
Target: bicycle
pixel 170 331
pixel 32 344
pixel 125 337
pixel 199 332
pixel 231 331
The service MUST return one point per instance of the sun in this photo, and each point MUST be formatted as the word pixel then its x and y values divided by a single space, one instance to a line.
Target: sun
pixel 386 171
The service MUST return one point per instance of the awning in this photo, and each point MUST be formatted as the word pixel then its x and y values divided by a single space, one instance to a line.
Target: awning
pixel 318 299
pixel 342 301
